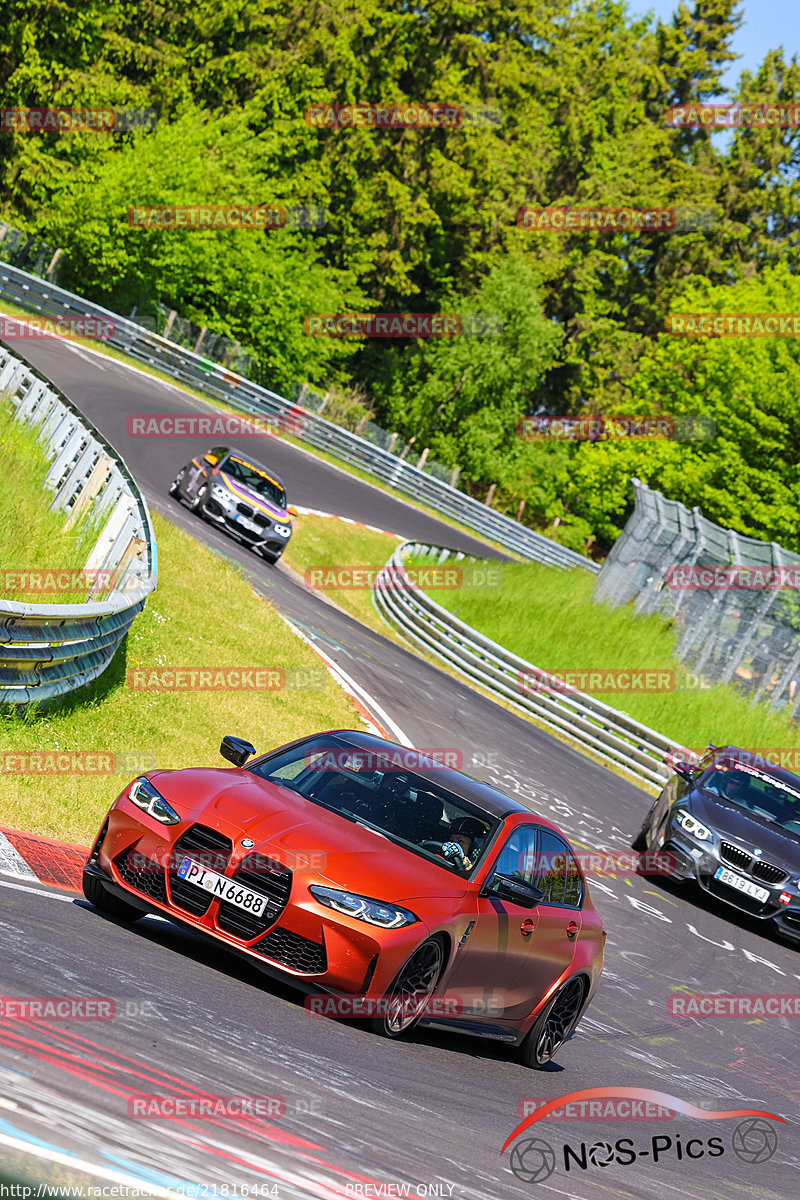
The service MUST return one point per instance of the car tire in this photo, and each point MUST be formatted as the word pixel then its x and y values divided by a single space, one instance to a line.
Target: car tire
pixel 268 557
pixel 415 983
pixel 554 1024
pixel 112 906
pixel 199 503
pixel 640 841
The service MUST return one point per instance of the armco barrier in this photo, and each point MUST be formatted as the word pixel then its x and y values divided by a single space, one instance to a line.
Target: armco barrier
pixel 47 650
pixel 37 295
pixel 608 733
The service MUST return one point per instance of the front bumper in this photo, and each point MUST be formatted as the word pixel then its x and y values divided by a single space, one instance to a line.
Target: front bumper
pixel 700 861
pixel 299 938
pixel 266 538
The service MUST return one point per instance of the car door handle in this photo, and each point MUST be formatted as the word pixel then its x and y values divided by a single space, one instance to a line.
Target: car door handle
pixel 572 929
pixel 527 927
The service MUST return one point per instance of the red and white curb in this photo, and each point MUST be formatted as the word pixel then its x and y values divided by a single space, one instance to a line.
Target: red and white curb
pixel 33 859
pixel 316 512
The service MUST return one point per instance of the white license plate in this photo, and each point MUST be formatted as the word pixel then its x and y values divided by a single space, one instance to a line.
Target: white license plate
pixel 741 884
pixel 248 524
pixel 223 887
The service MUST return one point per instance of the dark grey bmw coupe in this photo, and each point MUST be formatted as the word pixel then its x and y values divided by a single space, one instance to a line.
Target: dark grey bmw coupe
pixel 732 824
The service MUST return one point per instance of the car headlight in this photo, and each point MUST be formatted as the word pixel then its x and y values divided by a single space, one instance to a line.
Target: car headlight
pixel 149 800
pixel 219 492
pixel 692 826
pixel 282 530
pixel 388 916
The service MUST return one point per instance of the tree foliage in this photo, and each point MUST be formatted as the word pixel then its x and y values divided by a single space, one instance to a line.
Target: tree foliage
pixel 426 220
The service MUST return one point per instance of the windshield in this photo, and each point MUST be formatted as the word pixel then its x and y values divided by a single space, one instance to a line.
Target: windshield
pixel 372 789
pixel 254 478
pixel 757 793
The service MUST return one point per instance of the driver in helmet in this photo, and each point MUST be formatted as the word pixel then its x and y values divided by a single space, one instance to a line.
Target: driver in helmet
pixel 465 841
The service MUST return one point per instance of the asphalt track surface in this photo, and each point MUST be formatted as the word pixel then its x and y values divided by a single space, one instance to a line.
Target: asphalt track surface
pixel 363 1116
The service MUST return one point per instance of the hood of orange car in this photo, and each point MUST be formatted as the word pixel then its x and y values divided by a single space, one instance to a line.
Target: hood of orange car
pixel 306 837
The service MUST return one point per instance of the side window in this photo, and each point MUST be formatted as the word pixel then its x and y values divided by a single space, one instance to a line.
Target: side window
pixel 518 856
pixel 557 872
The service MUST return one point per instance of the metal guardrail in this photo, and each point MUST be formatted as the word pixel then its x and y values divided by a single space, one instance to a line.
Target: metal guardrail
pixel 607 732
pixel 47 650
pixel 37 295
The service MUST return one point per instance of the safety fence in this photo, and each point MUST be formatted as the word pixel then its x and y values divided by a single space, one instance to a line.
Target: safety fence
pixel 217 381
pixel 47 650
pixel 611 735
pixel 735 600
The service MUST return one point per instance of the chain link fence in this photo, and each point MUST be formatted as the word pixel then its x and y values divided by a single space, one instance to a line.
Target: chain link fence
pixel 735 600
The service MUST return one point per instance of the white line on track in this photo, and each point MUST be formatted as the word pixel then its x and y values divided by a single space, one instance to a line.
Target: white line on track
pixel 80 1164
pixel 20 887
pixel 349 683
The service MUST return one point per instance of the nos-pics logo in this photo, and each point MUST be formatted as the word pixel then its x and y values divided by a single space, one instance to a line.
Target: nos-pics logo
pixel 533 1159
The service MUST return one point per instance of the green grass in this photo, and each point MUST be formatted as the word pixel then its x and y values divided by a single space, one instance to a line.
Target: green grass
pixel 31 536
pixel 323 542
pixel 548 617
pixel 204 615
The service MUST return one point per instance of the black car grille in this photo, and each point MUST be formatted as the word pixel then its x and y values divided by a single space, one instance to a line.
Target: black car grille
pixel 257 517
pixel 141 873
pixel 768 872
pixel 745 861
pixel 735 856
pixel 291 950
pixel 269 879
pixel 210 849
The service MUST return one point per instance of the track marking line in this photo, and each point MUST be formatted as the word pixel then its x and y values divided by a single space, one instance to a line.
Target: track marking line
pixel 19 887
pixel 65 1159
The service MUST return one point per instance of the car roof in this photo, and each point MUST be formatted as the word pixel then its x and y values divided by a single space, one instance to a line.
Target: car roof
pixel 248 458
pixel 759 762
pixel 493 802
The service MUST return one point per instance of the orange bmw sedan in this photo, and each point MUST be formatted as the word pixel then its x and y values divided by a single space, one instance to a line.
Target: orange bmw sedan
pixel 394 887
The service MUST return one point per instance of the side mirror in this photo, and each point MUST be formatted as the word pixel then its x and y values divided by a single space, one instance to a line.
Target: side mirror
pixel 211 459
pixel 292 511
pixel 685 769
pixel 236 750
pixel 516 891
